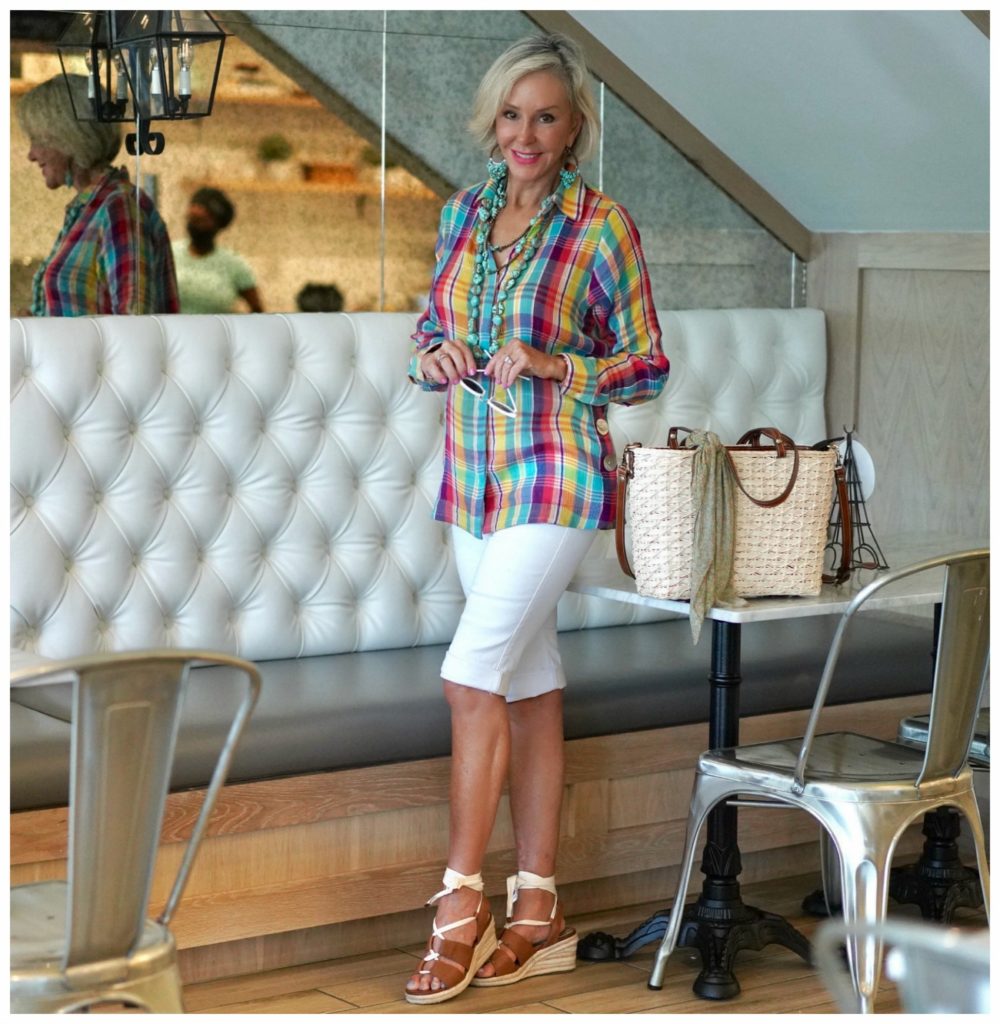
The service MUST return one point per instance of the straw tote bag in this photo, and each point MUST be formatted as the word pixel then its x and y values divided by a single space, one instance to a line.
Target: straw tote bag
pixel 782 512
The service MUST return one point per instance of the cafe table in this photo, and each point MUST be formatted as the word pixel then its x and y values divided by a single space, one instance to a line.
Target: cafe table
pixel 719 924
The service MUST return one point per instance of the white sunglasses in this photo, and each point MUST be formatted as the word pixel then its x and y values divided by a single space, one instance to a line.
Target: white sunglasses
pixel 475 387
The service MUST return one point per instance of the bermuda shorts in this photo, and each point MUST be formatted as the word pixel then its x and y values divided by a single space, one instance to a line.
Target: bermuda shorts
pixel 506 642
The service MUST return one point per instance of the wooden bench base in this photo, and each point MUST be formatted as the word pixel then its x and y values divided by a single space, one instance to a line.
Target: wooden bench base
pixel 312 867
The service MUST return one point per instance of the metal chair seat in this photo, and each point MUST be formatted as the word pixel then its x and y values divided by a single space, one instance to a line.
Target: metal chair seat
pixel 865 791
pixel 913 732
pixel 842 766
pixel 38 929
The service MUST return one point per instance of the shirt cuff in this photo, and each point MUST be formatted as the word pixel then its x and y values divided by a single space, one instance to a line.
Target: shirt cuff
pixel 417 375
pixel 579 382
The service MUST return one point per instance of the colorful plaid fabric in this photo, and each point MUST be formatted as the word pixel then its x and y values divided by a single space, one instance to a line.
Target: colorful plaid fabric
pixel 109 257
pixel 585 295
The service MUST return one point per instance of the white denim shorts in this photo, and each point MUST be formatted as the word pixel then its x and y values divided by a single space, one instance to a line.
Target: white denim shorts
pixel 505 642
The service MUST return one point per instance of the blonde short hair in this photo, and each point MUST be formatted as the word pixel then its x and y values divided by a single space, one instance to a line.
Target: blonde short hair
pixel 554 53
pixel 46 116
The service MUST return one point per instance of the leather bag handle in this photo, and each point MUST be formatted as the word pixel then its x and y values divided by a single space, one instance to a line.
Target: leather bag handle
pixel 624 475
pixel 782 442
pixel 754 438
pixel 843 571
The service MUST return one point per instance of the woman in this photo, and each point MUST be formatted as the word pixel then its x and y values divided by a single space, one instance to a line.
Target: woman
pixel 210 277
pixel 539 314
pixel 113 253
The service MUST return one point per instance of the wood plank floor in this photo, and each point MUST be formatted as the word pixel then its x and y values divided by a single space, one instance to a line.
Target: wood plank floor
pixel 773 980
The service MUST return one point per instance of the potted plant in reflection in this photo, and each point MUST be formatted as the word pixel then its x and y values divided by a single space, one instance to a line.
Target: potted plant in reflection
pixel 273 153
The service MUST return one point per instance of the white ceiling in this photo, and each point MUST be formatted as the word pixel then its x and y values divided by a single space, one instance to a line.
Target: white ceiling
pixel 852 120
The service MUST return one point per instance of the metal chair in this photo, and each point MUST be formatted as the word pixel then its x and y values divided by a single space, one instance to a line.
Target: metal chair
pixel 865 792
pixel 86 940
pixel 935 969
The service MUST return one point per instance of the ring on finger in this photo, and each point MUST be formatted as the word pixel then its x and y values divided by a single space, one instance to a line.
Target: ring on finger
pixel 507 359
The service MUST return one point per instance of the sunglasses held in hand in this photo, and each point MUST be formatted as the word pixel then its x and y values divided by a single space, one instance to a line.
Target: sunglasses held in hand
pixel 474 386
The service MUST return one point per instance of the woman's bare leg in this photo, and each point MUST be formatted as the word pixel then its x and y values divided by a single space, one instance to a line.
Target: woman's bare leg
pixel 537 770
pixel 480 754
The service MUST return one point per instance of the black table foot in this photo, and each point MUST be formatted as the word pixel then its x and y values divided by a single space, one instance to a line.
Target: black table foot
pixel 815 904
pixel 939 883
pixel 717 928
pixel 602 946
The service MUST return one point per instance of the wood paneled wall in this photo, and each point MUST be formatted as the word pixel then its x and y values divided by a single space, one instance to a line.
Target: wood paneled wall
pixel 305 868
pixel 908 328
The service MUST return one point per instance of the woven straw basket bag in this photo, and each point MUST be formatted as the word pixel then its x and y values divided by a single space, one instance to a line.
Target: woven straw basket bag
pixel 782 513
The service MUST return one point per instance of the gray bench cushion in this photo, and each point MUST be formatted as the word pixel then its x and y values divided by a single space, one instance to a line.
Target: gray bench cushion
pixel 350 710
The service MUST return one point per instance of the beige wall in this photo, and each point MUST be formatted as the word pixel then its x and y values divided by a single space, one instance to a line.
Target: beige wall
pixel 908 323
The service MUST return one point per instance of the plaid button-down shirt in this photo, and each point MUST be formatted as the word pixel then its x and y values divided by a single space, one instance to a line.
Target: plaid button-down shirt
pixel 110 257
pixel 585 295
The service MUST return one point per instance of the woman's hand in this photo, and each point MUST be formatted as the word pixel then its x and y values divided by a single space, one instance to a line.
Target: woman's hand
pixel 516 359
pixel 448 362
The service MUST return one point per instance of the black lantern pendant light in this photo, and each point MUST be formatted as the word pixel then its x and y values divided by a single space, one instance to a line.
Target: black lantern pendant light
pixel 144 66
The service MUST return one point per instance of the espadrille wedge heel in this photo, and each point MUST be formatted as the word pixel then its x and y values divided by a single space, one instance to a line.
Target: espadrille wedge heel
pixel 516 957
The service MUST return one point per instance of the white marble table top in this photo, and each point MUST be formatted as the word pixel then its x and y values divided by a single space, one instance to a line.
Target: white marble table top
pixel 607 580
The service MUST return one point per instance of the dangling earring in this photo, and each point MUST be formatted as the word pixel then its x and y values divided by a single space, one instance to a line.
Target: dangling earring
pixel 569 173
pixel 68 178
pixel 496 169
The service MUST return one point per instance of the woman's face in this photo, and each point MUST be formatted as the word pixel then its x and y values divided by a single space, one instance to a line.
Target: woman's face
pixel 53 164
pixel 201 225
pixel 534 126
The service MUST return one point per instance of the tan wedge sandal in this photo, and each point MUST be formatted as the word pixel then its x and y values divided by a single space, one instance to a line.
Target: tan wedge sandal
pixel 516 957
pixel 455 963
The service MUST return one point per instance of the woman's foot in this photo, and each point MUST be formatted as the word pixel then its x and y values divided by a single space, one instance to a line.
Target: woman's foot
pixel 463 937
pixel 534 940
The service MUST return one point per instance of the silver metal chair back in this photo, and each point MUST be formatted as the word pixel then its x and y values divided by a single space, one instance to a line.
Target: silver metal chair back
pixel 126 715
pixel 125 720
pixel 961 667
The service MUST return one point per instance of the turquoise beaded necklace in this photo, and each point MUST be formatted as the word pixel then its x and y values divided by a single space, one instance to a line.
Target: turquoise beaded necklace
pixel 494 199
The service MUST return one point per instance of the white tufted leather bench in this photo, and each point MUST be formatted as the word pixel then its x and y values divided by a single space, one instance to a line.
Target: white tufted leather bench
pixel 264 485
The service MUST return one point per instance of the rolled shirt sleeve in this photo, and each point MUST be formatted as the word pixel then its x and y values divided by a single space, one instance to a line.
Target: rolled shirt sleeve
pixel 622 307
pixel 430 333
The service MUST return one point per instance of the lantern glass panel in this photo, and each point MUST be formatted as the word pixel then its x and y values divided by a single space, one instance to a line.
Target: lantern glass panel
pixel 86 49
pixel 173 60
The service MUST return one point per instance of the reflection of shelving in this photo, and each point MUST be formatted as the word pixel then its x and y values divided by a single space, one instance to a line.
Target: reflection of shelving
pixel 268 99
pixel 356 188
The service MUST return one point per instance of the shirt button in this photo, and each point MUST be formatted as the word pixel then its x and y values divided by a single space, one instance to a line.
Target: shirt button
pixel 602 427
pixel 610 462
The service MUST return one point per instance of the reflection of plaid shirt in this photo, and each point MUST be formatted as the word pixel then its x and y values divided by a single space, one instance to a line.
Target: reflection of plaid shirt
pixel 585 295
pixel 108 259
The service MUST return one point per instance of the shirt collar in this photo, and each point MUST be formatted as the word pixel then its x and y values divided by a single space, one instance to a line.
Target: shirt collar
pixel 82 198
pixel 570 199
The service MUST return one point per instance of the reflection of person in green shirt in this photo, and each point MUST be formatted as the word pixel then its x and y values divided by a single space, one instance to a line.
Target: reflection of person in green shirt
pixel 210 278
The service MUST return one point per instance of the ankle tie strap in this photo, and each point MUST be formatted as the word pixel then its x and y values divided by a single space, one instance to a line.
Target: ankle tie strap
pixel 526 880
pixel 452 881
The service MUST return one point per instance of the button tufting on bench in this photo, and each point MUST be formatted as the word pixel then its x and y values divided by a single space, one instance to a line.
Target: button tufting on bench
pixel 347 479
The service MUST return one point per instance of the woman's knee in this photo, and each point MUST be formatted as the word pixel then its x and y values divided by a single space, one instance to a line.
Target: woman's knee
pixel 545 707
pixel 470 700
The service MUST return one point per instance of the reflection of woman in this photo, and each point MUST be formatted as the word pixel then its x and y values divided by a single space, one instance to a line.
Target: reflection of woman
pixel 113 253
pixel 539 314
pixel 211 278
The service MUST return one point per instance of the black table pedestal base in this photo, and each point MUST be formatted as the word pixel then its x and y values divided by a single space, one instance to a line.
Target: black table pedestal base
pixel 719 925
pixel 939 883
